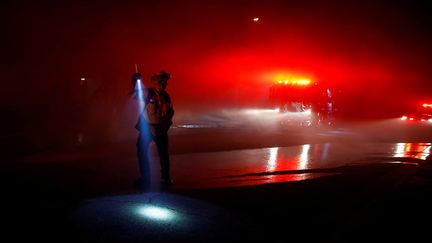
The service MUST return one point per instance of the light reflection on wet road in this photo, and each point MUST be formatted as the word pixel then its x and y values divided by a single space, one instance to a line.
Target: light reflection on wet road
pixel 281 164
pixel 225 159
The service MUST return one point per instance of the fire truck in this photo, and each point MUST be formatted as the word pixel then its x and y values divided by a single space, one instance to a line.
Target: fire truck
pixel 303 102
pixel 421 114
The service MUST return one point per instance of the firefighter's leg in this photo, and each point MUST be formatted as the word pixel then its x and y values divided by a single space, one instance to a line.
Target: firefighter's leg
pixel 162 148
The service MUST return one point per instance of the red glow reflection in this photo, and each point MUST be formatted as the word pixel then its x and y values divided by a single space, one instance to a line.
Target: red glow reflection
pixel 412 150
pixel 283 161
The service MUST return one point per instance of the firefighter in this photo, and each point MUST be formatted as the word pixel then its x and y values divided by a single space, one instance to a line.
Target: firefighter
pixel 153 125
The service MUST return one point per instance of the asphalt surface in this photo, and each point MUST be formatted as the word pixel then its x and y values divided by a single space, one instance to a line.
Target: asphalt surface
pixel 337 187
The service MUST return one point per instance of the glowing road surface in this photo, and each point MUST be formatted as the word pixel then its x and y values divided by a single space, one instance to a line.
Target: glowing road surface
pixel 170 217
pixel 282 164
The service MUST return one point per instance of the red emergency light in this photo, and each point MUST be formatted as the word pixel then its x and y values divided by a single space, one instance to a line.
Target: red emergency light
pixel 300 82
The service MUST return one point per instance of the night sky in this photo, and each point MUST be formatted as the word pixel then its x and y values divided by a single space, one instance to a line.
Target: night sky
pixel 377 52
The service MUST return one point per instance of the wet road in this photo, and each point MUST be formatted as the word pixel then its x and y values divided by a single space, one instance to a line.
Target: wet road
pixel 231 183
pixel 284 164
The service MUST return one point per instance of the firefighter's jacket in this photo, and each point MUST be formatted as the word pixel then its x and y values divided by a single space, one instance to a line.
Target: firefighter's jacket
pixel 158 112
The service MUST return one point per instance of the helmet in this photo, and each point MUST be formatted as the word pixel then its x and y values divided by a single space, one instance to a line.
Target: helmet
pixel 161 77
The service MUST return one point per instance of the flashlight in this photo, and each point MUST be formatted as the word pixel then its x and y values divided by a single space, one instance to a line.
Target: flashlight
pixel 136 77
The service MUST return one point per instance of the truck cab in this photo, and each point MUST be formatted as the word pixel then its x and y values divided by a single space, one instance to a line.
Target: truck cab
pixel 301 97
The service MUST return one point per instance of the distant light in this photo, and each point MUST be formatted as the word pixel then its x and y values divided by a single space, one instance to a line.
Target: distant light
pixel 411 119
pixel 427 105
pixel 156 213
pixel 304 82
pixel 83 81
pixel 295 82
pixel 430 120
pixel 255 19
pixel 403 118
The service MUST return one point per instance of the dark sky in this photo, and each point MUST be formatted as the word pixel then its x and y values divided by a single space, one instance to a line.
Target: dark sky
pixel 376 51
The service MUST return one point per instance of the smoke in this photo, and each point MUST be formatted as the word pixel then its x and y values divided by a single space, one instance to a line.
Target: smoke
pixel 376 54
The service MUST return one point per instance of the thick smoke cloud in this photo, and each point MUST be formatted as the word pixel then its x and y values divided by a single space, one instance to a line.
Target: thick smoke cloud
pixel 218 56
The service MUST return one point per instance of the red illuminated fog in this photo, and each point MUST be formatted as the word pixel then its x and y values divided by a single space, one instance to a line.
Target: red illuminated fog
pixel 377 54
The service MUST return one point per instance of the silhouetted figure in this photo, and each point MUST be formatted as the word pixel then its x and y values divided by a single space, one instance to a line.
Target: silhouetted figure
pixel 153 125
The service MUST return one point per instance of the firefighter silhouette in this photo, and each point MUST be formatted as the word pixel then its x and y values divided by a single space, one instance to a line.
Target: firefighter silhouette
pixel 153 124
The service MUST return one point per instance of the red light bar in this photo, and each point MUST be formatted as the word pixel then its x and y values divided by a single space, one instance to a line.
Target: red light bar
pixel 294 82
